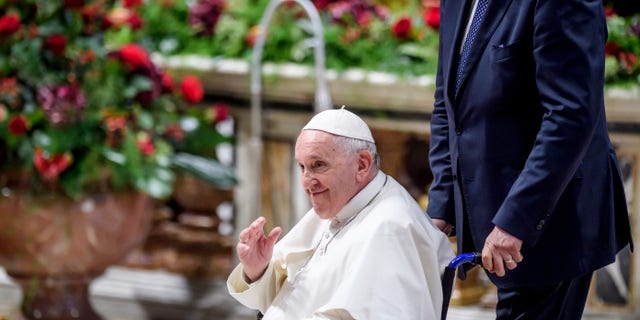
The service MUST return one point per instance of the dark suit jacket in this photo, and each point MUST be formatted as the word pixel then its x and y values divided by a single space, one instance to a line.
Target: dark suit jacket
pixel 524 141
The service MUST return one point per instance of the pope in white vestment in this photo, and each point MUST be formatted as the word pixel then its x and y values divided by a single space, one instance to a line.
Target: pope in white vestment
pixel 377 257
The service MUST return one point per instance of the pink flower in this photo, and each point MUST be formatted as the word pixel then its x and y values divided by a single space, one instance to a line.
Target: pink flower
pixel 62 104
pixel 119 17
pixel 191 89
pixel 402 27
pixel 18 125
pixel 3 112
pixel 9 24
pixel 145 145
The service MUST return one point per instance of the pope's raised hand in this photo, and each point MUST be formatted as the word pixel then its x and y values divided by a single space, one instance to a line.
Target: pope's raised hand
pixel 255 248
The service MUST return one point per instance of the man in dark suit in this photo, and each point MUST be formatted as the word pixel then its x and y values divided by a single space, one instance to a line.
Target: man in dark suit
pixel 523 167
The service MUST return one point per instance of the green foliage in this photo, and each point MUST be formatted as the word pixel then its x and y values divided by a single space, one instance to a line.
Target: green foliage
pixel 83 106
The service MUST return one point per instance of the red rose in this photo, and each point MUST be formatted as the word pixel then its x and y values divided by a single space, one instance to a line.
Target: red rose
pixel 9 24
pixel 432 17
pixel 611 49
pixel 56 44
pixel 191 89
pixel 321 4
pixel 50 166
pixel 18 125
pixel 135 21
pixel 167 82
pixel 73 4
pixel 132 3
pixel 218 112
pixel 402 27
pixel 134 56
pixel 609 12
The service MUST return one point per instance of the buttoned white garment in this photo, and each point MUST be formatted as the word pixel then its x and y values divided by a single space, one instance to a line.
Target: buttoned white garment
pixel 380 258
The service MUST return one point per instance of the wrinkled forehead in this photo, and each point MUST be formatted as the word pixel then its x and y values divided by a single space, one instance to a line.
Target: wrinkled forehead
pixel 316 143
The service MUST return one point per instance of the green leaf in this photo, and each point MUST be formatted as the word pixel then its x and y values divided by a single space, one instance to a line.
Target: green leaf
pixel 208 170
pixel 156 182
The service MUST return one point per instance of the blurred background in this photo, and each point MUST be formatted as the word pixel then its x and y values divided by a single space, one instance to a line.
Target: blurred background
pixel 138 136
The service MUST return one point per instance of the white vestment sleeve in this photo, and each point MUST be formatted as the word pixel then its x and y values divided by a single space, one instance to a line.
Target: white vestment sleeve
pixel 257 295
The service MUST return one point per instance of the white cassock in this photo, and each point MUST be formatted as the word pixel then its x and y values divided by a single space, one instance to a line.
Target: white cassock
pixel 380 258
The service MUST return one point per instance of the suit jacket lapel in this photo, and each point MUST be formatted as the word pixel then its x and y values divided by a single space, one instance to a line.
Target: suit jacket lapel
pixel 495 12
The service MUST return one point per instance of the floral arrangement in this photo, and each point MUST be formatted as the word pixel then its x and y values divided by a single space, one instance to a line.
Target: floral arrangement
pixel 79 108
pixel 623 47
pixel 400 38
pixel 357 33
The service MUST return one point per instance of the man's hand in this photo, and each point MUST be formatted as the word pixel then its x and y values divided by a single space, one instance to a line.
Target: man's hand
pixel 443 225
pixel 501 250
pixel 255 248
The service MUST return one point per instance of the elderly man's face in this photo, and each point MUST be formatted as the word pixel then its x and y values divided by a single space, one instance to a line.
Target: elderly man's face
pixel 328 174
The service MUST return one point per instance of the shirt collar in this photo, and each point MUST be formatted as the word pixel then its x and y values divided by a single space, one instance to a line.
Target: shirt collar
pixel 358 202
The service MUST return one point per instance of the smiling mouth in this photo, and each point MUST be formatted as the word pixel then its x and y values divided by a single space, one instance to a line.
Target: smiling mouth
pixel 315 193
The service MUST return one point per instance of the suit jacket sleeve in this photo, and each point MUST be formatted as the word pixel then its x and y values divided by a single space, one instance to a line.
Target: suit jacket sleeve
pixel 568 53
pixel 441 202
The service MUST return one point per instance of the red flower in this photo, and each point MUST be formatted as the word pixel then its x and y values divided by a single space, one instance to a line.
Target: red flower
pixel 191 89
pixel 628 60
pixel 432 17
pixel 9 24
pixel 218 112
pixel 611 49
pixel 119 17
pixel 252 35
pixel 56 44
pixel 174 132
pixel 609 12
pixel 135 21
pixel 402 27
pixel 73 4
pixel 145 145
pixel 167 82
pixel 132 3
pixel 18 125
pixel 50 166
pixel 135 56
pixel 321 4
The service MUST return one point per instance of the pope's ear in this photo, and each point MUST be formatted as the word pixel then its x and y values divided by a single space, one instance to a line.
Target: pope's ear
pixel 365 161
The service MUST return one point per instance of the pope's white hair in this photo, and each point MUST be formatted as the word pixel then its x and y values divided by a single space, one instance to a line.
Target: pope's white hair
pixel 352 146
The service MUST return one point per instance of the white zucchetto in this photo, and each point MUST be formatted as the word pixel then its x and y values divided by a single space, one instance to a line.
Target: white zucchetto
pixel 340 122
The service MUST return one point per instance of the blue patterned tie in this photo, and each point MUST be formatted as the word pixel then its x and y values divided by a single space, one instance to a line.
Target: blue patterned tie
pixel 478 16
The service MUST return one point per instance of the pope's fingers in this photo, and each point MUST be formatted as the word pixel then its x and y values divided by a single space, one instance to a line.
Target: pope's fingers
pixel 253 232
